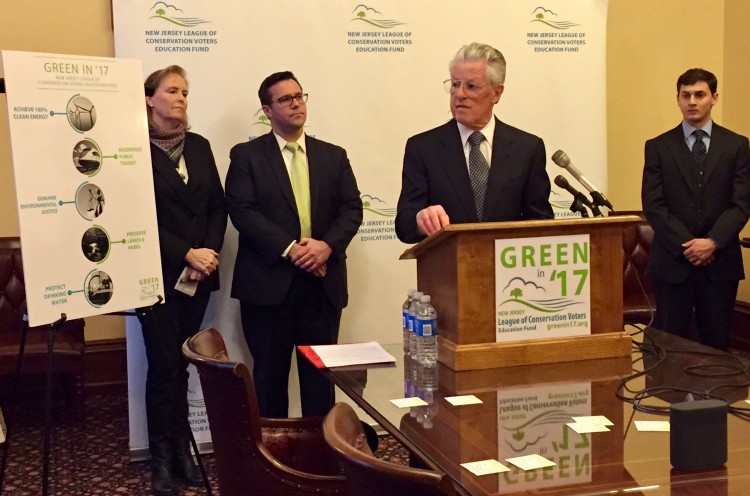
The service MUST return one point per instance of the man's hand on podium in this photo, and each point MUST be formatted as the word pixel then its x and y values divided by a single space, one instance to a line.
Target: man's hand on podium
pixel 432 219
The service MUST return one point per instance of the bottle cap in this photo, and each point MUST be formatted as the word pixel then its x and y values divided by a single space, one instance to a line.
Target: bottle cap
pixel 425 299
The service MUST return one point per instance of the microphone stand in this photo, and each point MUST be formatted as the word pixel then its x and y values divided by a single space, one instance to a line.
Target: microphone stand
pixel 600 201
pixel 578 207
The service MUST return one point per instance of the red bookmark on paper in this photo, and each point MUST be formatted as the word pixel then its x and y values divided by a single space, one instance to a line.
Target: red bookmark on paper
pixel 312 356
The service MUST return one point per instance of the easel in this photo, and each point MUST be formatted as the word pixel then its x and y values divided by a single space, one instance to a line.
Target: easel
pixel 51 333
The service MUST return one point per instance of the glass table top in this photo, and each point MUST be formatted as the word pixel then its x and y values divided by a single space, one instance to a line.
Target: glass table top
pixel 525 410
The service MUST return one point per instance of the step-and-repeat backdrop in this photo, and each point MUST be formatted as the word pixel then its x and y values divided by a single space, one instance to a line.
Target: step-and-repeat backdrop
pixel 375 73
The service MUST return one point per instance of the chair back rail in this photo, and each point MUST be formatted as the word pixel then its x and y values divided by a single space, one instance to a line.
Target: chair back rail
pixel 255 455
pixel 370 476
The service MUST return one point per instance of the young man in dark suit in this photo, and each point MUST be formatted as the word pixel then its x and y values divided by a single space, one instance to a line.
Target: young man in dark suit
pixel 295 202
pixel 696 196
pixel 474 168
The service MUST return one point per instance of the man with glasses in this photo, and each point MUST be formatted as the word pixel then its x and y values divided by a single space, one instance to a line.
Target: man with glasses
pixel 474 168
pixel 295 202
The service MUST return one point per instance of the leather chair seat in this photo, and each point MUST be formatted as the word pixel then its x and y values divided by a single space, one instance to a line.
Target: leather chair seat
pixel 256 455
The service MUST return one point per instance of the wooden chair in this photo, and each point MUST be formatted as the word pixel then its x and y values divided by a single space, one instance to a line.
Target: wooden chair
pixel 255 455
pixel 370 476
pixel 69 340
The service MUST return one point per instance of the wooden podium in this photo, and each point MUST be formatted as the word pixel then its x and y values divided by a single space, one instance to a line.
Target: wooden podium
pixel 456 267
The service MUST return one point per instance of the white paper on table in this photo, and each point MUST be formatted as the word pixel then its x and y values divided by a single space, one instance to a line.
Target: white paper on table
pixel 588 427
pixel 652 425
pixel 485 467
pixel 601 419
pixel 408 402
pixel 530 462
pixel 339 355
pixel 468 399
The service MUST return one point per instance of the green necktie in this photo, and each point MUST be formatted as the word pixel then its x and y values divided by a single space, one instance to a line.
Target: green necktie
pixel 301 188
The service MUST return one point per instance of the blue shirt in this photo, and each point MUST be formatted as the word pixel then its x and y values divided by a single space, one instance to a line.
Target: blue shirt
pixel 687 129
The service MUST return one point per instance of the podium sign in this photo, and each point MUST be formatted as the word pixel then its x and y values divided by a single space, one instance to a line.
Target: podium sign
pixel 542 287
pixel 457 266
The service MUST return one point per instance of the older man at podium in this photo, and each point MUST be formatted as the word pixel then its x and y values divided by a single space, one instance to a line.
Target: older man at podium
pixel 474 168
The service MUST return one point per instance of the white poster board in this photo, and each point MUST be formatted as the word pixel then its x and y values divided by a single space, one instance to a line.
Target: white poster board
pixel 82 166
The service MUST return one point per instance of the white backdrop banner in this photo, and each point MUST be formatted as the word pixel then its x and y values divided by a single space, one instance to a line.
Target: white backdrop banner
pixel 374 72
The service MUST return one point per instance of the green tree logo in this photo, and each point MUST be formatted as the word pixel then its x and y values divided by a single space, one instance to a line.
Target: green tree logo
pixel 361 14
pixel 516 293
pixel 540 16
pixel 160 12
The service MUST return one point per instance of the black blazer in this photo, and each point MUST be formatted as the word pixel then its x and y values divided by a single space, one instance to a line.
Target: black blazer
pixel 192 215
pixel 435 173
pixel 262 208
pixel 678 211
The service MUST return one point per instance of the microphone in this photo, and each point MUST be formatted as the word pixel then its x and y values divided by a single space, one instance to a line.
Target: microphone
pixel 561 159
pixel 577 195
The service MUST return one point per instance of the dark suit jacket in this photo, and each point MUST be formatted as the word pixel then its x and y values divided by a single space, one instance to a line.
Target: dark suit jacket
pixel 192 215
pixel 435 173
pixel 678 211
pixel 262 208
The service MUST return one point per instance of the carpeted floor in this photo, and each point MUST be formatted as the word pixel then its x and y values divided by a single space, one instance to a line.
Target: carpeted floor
pixel 91 458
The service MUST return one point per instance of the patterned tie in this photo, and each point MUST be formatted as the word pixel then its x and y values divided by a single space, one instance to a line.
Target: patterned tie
pixel 301 187
pixel 479 170
pixel 699 147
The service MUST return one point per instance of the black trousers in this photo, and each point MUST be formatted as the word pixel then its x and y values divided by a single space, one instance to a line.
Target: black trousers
pixel 165 328
pixel 305 317
pixel 712 302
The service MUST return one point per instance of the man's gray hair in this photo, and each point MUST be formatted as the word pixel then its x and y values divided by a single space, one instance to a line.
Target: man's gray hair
pixel 479 51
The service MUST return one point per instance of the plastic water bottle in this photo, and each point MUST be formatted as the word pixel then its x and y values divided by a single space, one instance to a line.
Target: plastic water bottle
pixel 426 332
pixel 405 318
pixel 410 380
pixel 413 324
pixel 427 389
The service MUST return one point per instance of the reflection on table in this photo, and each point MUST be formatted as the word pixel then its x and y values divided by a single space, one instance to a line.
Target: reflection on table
pixel 525 410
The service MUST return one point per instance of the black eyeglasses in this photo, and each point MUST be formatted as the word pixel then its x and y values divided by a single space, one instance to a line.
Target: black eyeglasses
pixel 288 99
